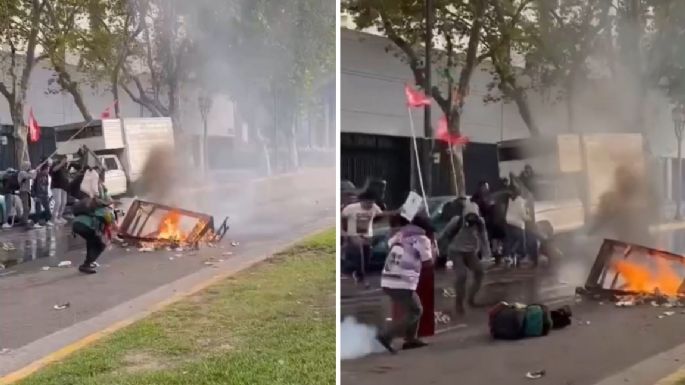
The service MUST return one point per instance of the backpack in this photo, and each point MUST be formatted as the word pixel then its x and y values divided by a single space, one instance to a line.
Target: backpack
pixel 11 181
pixel 506 321
pixel 513 322
pixel 85 206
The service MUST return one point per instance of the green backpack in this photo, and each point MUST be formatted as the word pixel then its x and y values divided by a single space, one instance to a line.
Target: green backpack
pixel 537 321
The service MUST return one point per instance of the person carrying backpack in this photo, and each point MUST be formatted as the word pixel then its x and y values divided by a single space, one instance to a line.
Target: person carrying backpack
pixel 93 223
pixel 467 239
pixel 410 250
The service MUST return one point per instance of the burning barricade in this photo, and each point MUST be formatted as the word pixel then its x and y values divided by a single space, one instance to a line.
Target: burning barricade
pixel 157 226
pixel 631 275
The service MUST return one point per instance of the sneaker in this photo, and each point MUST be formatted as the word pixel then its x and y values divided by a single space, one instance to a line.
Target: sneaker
pixel 6 226
pixel 385 341
pixel 415 344
pixel 49 223
pixel 94 265
pixel 61 221
pixel 37 226
pixel 86 269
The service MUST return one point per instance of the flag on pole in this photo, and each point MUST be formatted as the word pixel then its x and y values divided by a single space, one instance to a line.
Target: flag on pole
pixel 34 128
pixel 416 98
pixel 443 133
pixel 107 113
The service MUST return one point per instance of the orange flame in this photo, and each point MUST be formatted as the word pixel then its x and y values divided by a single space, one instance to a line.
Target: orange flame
pixel 643 279
pixel 170 229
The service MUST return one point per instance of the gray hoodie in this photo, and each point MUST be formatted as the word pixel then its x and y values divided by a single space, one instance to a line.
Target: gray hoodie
pixel 25 176
pixel 468 238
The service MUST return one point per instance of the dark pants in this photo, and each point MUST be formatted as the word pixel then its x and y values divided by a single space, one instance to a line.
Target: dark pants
pixel 25 197
pixel 94 244
pixel 42 208
pixel 463 261
pixel 409 305
pixel 515 243
pixel 357 254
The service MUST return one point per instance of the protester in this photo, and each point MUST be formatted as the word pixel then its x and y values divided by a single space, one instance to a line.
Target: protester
pixel 517 216
pixel 357 229
pixel 10 185
pixel 93 223
pixel 410 251
pixel 467 237
pixel 528 179
pixel 40 193
pixel 59 185
pixel 26 175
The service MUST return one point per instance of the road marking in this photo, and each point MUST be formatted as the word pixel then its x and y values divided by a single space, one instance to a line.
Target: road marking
pixel 69 349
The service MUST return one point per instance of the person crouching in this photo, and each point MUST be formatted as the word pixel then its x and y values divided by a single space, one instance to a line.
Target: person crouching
pixel 92 223
pixel 410 249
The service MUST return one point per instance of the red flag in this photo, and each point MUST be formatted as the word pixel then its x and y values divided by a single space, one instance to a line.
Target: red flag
pixel 107 113
pixel 34 128
pixel 444 134
pixel 416 98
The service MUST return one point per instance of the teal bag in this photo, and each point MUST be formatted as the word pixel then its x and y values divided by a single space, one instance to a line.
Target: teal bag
pixel 537 321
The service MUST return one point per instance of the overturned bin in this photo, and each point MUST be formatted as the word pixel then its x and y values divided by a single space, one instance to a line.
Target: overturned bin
pixel 623 268
pixel 170 226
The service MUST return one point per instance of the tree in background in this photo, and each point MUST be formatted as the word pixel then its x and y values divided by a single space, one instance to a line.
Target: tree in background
pixel 20 33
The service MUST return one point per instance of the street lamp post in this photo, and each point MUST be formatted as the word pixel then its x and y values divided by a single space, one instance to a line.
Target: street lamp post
pixel 428 132
pixel 678 114
pixel 204 102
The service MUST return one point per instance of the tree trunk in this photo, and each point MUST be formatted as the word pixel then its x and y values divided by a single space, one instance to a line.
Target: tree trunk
pixel 456 157
pixel 115 95
pixel 570 107
pixel 65 81
pixel 20 135
pixel 521 101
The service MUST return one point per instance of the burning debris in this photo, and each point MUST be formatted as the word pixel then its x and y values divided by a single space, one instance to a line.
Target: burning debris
pixel 155 226
pixel 631 275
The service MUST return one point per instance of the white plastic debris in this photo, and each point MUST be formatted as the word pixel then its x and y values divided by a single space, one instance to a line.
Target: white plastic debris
pixel 668 313
pixel 146 249
pixel 449 293
pixel 46 268
pixel 235 243
pixel 227 253
pixel 449 264
pixel 61 306
pixel 535 375
pixel 64 264
pixel 626 303
pixel 4 351
pixel 171 258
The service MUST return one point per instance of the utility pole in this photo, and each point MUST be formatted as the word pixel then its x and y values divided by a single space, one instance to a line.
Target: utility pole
pixel 428 132
pixel 205 104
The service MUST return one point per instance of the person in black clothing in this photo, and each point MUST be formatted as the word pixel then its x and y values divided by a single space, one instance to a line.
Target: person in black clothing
pixel 59 186
pixel 39 190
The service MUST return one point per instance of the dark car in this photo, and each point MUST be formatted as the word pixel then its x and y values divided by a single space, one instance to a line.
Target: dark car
pixel 381 232
pixel 348 193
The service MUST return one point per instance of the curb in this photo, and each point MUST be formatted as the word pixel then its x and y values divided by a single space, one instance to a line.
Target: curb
pixel 83 342
pixel 673 378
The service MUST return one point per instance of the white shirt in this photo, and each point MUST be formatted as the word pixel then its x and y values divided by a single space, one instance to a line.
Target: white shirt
pixel 404 262
pixel 517 214
pixel 359 220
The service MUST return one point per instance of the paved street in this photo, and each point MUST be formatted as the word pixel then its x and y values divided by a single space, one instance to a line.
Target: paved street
pixel 603 340
pixel 261 221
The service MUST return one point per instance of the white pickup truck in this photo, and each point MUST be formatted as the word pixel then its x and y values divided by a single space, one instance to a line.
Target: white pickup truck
pixel 121 147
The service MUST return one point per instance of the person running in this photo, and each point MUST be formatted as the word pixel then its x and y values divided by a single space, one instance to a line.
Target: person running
pixel 410 251
pixel 93 223
pixel 468 238
pixel 59 185
pixel 357 228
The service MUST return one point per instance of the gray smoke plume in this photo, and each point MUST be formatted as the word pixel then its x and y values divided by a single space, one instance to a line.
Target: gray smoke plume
pixel 357 340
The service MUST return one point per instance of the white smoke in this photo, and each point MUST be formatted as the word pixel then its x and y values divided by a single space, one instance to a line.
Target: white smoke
pixel 357 340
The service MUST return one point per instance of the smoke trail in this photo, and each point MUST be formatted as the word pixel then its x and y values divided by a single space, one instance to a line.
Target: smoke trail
pixel 357 340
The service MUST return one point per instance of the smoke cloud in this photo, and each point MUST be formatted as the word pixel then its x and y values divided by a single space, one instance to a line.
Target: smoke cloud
pixel 357 340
